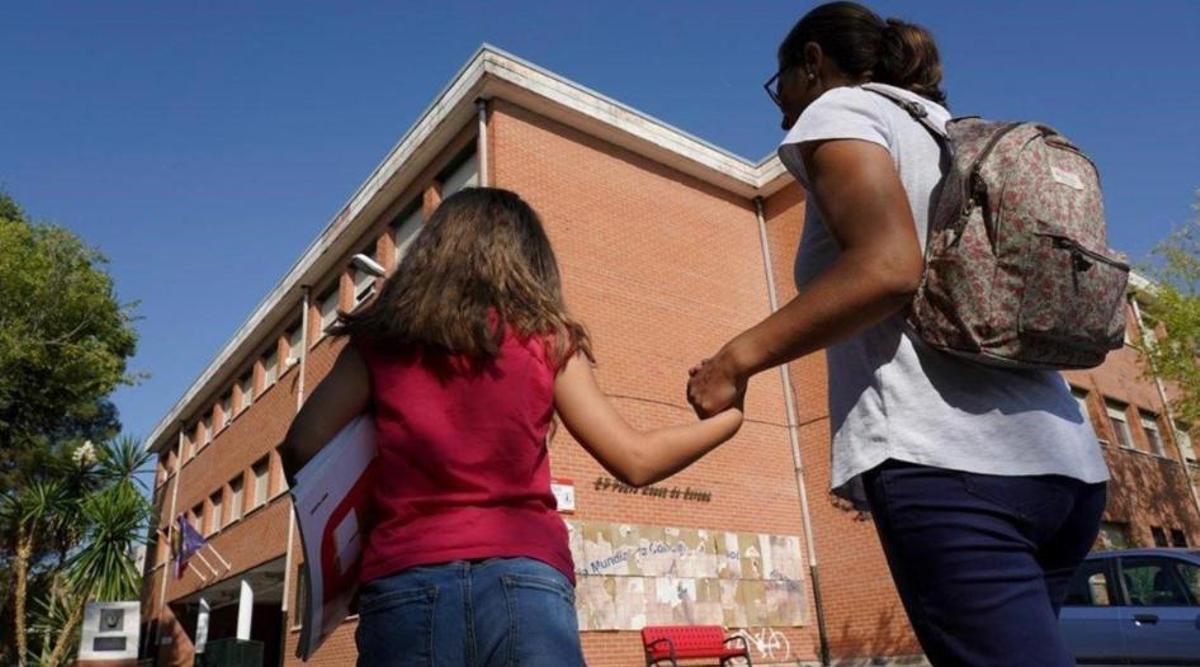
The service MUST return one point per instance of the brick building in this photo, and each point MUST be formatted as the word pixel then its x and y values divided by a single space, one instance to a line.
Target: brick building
pixel 668 246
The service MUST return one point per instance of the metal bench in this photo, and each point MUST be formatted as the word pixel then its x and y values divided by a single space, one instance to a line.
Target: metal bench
pixel 669 644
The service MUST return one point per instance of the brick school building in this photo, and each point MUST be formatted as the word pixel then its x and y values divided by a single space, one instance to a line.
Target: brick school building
pixel 668 246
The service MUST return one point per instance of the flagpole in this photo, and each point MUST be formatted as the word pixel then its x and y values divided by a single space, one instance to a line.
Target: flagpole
pixel 207 564
pixel 219 556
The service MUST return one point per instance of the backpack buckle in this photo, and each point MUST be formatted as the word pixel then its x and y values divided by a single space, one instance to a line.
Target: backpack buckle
pixel 916 110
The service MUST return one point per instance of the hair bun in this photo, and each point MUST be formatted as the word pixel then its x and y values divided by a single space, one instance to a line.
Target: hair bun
pixel 908 58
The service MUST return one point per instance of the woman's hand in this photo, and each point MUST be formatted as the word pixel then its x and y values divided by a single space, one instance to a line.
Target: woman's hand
pixel 715 384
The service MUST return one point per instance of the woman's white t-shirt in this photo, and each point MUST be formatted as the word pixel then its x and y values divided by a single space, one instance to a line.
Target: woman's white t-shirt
pixel 892 397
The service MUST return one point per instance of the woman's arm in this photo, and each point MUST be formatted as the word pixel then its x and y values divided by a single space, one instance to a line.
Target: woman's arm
pixel 340 397
pixel 633 457
pixel 855 186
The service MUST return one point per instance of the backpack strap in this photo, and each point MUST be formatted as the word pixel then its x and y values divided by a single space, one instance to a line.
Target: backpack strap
pixel 916 110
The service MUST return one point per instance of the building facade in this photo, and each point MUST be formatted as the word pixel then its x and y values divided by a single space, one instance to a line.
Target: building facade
pixel 668 246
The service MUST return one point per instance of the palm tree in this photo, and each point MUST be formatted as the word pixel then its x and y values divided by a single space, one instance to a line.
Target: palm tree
pixel 114 521
pixel 87 513
pixel 29 515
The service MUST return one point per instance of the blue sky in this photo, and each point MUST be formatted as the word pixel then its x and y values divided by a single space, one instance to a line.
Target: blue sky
pixel 201 146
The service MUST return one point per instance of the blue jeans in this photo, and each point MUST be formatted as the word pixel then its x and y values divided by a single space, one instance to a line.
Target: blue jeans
pixel 494 612
pixel 982 562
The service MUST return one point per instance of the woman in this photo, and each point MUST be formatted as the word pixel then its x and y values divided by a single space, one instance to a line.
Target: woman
pixel 986 485
pixel 463 361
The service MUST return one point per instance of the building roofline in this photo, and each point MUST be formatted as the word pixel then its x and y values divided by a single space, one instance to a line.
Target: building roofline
pixel 490 72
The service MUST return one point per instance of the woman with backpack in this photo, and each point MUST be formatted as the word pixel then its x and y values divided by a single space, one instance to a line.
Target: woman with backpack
pixel 986 484
pixel 463 360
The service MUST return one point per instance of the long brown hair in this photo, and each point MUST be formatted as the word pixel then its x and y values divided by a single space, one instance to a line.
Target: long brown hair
pixel 864 45
pixel 481 265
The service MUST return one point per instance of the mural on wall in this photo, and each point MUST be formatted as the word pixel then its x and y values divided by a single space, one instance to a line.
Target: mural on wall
pixel 633 575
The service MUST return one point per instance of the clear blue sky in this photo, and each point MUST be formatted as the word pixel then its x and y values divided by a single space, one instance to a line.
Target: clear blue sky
pixel 201 146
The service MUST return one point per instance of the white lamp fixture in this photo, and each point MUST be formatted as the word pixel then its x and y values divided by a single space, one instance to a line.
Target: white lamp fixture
pixel 369 265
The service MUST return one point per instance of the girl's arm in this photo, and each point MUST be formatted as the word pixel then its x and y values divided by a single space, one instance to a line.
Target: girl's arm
pixel 633 457
pixel 864 205
pixel 340 397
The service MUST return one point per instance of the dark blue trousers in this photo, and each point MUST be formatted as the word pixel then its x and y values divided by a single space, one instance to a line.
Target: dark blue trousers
pixel 982 562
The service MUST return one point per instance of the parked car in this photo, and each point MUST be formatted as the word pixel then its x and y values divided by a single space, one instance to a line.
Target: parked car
pixel 1135 607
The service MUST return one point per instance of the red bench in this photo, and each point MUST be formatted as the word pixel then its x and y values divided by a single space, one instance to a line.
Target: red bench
pixel 672 643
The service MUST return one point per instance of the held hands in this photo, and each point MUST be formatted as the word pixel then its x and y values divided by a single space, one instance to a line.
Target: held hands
pixel 715 385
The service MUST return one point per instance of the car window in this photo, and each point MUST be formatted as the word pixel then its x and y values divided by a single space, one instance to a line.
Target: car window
pixel 1190 573
pixel 1090 586
pixel 1154 582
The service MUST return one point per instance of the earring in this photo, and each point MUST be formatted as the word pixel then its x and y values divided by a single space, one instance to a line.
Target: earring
pixel 812 77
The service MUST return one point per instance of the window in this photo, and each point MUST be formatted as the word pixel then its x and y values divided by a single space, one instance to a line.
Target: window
pixel 1113 535
pixel 1150 428
pixel 262 478
pixel 1160 536
pixel 327 305
pixel 206 428
pixel 405 230
pixel 246 384
pixel 301 589
pixel 1184 438
pixel 1178 539
pixel 1090 587
pixel 270 363
pixel 465 175
pixel 235 498
pixel 197 518
pixel 364 281
pixel 1120 427
pixel 214 519
pixel 295 344
pixel 226 409
pixel 1156 582
pixel 1190 574
pixel 1081 397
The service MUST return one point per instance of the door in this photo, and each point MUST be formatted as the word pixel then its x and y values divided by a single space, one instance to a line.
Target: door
pixel 1161 622
pixel 1090 617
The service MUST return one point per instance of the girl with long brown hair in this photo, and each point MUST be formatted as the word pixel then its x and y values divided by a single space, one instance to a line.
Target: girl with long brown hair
pixel 463 360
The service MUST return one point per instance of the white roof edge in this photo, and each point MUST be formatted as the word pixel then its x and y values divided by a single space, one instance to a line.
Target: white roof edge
pixel 762 179
pixel 487 61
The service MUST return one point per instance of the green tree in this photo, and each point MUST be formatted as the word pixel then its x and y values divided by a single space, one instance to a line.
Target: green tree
pixel 64 343
pixel 74 530
pixel 1174 307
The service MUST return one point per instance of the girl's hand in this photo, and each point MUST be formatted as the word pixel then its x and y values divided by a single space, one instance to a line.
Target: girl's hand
pixel 715 385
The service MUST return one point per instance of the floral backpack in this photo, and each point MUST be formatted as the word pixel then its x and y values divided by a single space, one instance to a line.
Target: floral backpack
pixel 1018 272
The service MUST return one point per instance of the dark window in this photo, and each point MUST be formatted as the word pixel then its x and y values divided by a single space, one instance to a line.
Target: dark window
pixel 1178 539
pixel 1090 587
pixel 1154 582
pixel 1160 537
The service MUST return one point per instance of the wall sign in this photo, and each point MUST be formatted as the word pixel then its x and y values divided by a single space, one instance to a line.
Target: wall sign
pixel 564 493
pixel 685 494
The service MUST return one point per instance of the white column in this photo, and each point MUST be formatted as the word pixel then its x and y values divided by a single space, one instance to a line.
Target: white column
pixel 202 626
pixel 245 609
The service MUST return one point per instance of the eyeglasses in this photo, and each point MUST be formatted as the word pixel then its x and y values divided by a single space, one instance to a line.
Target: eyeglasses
pixel 772 86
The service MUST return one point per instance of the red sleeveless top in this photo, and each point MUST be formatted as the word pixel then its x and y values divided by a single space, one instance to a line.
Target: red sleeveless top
pixel 463 472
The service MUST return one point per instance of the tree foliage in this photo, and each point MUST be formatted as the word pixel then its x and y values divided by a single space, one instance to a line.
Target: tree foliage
pixel 1173 310
pixel 64 343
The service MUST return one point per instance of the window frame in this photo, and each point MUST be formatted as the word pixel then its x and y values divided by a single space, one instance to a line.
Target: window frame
pixel 332 294
pixel 216 506
pixel 1115 593
pixel 266 477
pixel 245 385
pixel 270 364
pixel 237 497
pixel 296 349
pixel 1149 423
pixel 1183 439
pixel 1168 563
pixel 1119 412
pixel 404 231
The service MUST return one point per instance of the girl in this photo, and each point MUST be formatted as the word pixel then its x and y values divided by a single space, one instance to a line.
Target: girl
pixel 464 359
pixel 986 485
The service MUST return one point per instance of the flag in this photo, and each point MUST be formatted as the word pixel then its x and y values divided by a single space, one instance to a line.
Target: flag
pixel 185 542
